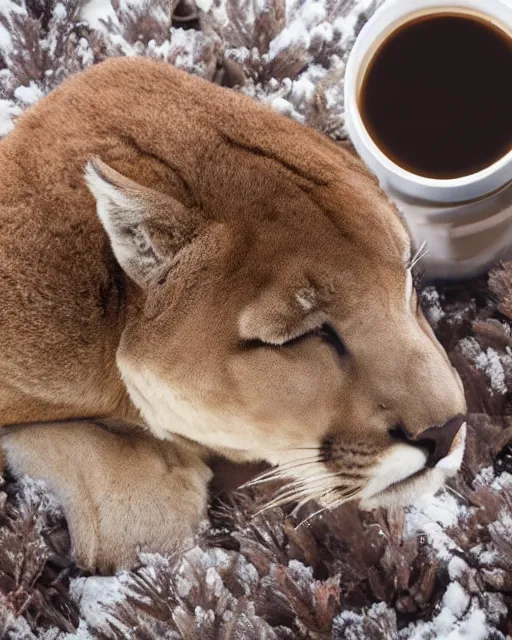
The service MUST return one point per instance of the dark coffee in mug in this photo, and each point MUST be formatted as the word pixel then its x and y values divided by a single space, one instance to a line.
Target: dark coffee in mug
pixel 437 95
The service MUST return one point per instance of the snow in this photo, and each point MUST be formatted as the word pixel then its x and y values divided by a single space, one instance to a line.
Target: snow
pixel 300 572
pixel 459 616
pixel 486 556
pixel 488 361
pixel 303 88
pixel 36 494
pixel 352 622
pixel 94 595
pixel 214 582
pixel 29 95
pixel 456 599
pixel 282 105
pixel 495 608
pixel 345 26
pixel 82 633
pixel 85 52
pixel 95 12
pixel 204 5
pixel 240 55
pixel 484 477
pixel 128 5
pixel 18 627
pixel 433 516
pixel 8 7
pixel 322 33
pixel 333 96
pixel 448 623
pixel 204 617
pixel 5 40
pixel 179 50
pixel 457 567
pixel 307 31
pixel 214 557
pixel 296 35
pixel 308 26
pixel 433 308
pixel 503 526
pixel 308 20
pixel 503 481
pixel 473 628
pixel 154 563
pixel 59 11
pixel 313 13
pixel 8 111
pixel 443 509
pixel 246 573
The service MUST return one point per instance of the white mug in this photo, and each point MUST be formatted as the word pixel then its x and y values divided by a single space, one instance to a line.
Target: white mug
pixel 466 222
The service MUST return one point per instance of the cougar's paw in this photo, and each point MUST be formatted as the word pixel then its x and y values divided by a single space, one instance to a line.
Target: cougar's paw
pixel 121 492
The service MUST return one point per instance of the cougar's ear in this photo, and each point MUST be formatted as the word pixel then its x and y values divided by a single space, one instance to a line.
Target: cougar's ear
pixel 146 228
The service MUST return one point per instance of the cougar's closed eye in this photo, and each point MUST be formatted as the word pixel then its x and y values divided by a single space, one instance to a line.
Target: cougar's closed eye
pixel 329 335
pixel 326 332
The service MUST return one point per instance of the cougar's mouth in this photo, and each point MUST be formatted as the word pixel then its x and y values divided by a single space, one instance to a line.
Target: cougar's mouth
pixel 400 479
pixel 410 483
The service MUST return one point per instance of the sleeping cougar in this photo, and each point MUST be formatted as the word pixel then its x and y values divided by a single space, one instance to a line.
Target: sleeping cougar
pixel 177 257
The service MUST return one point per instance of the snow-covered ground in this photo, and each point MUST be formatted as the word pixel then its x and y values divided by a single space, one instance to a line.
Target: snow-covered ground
pixel 318 33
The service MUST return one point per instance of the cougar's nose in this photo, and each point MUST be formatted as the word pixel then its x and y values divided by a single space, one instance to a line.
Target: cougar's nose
pixel 436 440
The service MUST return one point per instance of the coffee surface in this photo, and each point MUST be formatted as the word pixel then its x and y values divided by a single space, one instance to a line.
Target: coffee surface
pixel 437 95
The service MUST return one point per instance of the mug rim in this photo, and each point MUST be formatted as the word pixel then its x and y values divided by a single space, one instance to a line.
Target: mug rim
pixel 385 21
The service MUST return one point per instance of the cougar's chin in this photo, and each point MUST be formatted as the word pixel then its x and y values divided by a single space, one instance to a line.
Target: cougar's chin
pixel 402 477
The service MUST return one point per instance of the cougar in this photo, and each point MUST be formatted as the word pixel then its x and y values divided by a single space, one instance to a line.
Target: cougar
pixel 178 258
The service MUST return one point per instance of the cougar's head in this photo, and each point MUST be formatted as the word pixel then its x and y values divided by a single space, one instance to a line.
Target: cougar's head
pixel 277 319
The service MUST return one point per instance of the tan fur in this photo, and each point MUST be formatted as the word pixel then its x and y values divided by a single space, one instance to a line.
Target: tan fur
pixel 233 225
pixel 96 475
